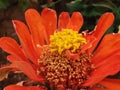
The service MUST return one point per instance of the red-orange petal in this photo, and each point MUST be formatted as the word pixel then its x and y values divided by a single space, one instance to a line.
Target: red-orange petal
pixel 49 18
pixel 105 21
pixel 28 70
pixel 36 27
pixel 26 41
pixel 72 56
pixel 106 58
pixel 111 84
pixel 11 58
pixel 109 46
pixel 109 68
pixel 97 88
pixel 17 87
pixel 70 25
pixel 77 21
pixel 10 46
pixel 90 40
pixel 64 19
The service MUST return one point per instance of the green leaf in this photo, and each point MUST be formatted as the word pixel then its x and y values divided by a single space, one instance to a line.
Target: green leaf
pixel 75 5
pixel 4 4
pixel 103 5
pixel 23 4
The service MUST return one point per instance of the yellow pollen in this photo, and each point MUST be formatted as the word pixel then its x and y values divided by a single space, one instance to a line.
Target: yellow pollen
pixel 67 39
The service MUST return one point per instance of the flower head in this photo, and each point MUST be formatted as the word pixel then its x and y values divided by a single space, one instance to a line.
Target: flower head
pixel 58 57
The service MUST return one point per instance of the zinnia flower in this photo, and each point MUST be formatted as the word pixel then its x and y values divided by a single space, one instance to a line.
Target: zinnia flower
pixel 60 58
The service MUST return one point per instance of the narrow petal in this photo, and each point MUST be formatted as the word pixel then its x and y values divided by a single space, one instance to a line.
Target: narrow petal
pixel 50 21
pixel 26 40
pixel 16 87
pixel 109 46
pixel 36 27
pixel 64 18
pixel 105 21
pixel 11 58
pixel 111 84
pixel 28 70
pixel 77 20
pixel 10 46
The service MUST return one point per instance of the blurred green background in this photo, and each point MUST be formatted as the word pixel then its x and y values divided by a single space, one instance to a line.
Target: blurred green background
pixel 90 9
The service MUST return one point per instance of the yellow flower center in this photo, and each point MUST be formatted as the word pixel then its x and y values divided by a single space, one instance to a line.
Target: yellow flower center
pixel 67 39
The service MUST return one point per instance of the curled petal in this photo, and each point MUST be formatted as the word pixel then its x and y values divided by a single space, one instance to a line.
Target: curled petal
pixel 4 71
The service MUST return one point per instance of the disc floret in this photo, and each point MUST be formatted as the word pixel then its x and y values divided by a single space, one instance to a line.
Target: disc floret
pixel 66 40
pixel 59 69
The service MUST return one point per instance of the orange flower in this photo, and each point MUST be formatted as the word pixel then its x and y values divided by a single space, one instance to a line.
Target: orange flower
pixel 60 57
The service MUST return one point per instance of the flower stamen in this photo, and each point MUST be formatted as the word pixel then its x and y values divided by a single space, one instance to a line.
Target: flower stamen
pixel 67 39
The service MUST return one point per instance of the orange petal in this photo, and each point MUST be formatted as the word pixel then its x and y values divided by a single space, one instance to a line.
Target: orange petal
pixel 16 87
pixel 37 29
pixel 64 18
pixel 97 89
pixel 26 40
pixel 109 68
pixel 10 46
pixel 70 25
pixel 72 56
pixel 109 46
pixel 50 21
pixel 11 58
pixel 105 21
pixel 111 84
pixel 90 40
pixel 77 21
pixel 28 70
